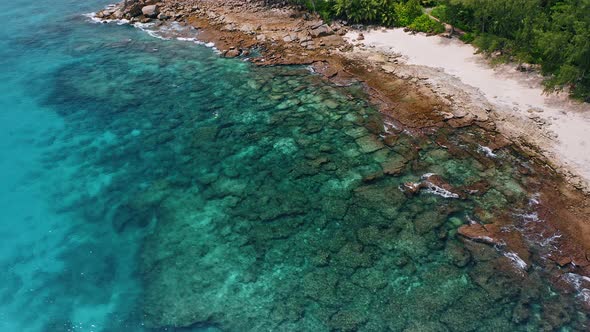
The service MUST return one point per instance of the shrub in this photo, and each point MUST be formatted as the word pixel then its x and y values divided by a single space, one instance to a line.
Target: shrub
pixel 468 37
pixel 407 12
pixel 424 23
pixel 322 7
pixel 440 12
pixel 365 11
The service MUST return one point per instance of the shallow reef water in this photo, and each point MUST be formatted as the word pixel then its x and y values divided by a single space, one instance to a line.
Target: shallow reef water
pixel 153 186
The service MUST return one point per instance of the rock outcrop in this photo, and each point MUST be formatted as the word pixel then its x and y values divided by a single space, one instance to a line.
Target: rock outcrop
pixel 150 11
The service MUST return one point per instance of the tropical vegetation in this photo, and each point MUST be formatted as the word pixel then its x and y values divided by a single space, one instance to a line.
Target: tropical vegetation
pixel 552 34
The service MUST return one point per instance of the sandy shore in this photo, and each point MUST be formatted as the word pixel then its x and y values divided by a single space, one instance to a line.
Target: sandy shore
pixel 556 125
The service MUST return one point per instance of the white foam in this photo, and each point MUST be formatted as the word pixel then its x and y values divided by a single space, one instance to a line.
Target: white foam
pixel 484 238
pixel 535 200
pixel 165 32
pixel 426 176
pixel 577 281
pixel 518 262
pixel 528 217
pixel 471 220
pixel 431 188
pixel 93 19
pixel 195 40
pixel 388 126
pixel 549 241
pixel 436 190
pixel 146 28
pixel 487 151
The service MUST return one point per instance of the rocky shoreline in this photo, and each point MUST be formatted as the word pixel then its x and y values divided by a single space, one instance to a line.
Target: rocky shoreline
pixel 286 36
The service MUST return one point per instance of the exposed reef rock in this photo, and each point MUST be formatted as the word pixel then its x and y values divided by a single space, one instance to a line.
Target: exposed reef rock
pixel 283 194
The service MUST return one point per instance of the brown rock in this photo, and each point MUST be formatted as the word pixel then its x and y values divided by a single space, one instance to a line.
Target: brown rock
pixel 479 233
pixel 163 16
pixel 478 188
pixel 411 188
pixel 134 10
pixel 390 140
pixel 560 259
pixel 461 122
pixel 322 30
pixel 150 11
pixel 232 53
pixel 375 125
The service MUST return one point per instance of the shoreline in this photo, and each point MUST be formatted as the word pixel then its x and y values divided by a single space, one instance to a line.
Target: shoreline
pixel 403 93
pixel 515 100
pixel 540 126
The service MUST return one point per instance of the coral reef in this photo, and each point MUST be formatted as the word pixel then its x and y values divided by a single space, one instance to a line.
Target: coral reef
pixel 274 201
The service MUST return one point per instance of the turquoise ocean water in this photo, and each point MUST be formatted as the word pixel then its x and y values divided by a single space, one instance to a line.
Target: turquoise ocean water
pixel 150 185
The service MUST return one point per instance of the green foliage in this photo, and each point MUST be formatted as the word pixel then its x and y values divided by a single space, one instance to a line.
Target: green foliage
pixel 424 23
pixel 321 7
pixel 492 43
pixel 382 12
pixel 564 47
pixel 366 11
pixel 428 3
pixel 552 33
pixel 407 12
pixel 468 37
pixel 440 12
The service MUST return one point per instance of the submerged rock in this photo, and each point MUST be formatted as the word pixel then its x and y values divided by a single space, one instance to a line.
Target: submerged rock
pixel 127 215
pixel 478 232
pixel 277 197
pixel 394 165
pixel 369 144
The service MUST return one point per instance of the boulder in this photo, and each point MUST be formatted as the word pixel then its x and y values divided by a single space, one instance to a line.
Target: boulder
pixel 118 14
pixel 163 16
pixel 133 10
pixel 150 11
pixel 232 53
pixel 322 30
pixel 304 36
pixel 290 37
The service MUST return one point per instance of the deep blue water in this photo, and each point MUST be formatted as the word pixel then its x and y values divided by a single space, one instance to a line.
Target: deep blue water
pixel 149 184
